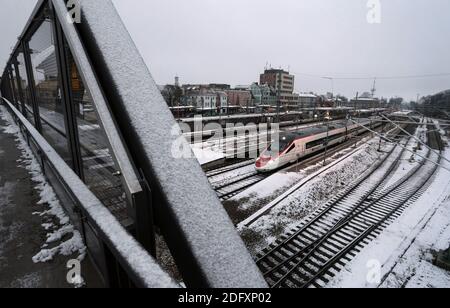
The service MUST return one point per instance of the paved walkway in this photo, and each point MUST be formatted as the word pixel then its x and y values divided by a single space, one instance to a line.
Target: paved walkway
pixel 21 233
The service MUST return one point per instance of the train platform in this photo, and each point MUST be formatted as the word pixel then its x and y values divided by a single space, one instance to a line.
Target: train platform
pixel 24 233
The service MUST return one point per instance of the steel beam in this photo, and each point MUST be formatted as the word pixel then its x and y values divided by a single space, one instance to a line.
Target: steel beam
pixel 200 235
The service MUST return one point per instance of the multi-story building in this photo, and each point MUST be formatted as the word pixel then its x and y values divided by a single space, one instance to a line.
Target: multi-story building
pixel 264 97
pixel 283 83
pixel 255 89
pixel 364 103
pixel 240 98
pixel 204 100
pixel 268 96
pixel 278 79
pixel 307 101
pixel 222 101
pixel 219 86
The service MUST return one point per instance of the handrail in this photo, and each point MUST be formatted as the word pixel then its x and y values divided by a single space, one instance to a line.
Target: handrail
pixel 118 151
pixel 203 240
pixel 139 265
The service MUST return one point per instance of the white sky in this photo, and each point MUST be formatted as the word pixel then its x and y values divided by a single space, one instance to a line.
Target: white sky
pixel 230 41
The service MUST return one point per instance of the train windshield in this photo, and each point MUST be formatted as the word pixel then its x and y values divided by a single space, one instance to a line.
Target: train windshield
pixel 278 147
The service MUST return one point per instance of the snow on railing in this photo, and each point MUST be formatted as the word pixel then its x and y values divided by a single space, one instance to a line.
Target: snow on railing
pixel 203 240
pixel 139 265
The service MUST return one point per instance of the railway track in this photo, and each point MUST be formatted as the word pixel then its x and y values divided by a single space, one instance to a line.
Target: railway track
pixel 312 253
pixel 233 188
pixel 228 181
pixel 229 168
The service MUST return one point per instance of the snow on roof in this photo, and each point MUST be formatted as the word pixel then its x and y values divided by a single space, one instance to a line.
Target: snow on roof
pixel 302 95
pixel 237 116
pixel 365 99
pixel 182 107
pixel 402 113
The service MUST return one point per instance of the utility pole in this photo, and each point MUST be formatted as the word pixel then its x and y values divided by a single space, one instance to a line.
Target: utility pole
pixel 381 136
pixel 326 144
pixel 278 84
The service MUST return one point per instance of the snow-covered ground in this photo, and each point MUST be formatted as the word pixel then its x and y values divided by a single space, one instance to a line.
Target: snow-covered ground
pixel 205 156
pixel 62 238
pixel 231 176
pixel 411 156
pixel 287 214
pixel 229 146
pixel 402 255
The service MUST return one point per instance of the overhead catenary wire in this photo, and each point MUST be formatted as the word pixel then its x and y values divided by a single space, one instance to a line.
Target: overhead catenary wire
pixel 414 137
pixel 376 77
pixel 392 141
pixel 410 123
pixel 365 78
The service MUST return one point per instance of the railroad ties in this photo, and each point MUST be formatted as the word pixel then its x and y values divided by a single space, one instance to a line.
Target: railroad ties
pixel 311 254
pixel 231 179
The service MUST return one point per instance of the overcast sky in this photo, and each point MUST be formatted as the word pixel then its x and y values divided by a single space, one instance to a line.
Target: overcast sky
pixel 230 41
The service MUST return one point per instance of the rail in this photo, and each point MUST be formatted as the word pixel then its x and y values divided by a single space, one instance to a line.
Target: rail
pixel 356 220
pixel 206 247
pixel 172 194
pixel 140 267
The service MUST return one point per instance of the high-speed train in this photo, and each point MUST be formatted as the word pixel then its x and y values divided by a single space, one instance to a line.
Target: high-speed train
pixel 294 145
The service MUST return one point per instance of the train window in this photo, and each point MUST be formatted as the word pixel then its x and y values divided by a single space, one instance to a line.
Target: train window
pixel 315 143
pixel 48 89
pixel 291 148
pixel 278 147
pixel 336 136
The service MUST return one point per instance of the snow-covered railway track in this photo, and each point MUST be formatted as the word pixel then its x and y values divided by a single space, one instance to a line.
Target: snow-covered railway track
pixel 229 168
pixel 229 181
pixel 312 253
pixel 231 189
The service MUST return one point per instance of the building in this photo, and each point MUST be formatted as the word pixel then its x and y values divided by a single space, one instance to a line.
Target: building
pixel 222 101
pixel 364 103
pixel 283 83
pixel 437 105
pixel 268 97
pixel 255 89
pixel 219 86
pixel 240 99
pixel 278 79
pixel 211 86
pixel 116 176
pixel 206 101
pixel 307 101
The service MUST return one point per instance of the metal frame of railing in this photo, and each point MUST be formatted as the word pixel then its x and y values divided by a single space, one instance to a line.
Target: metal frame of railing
pixel 135 189
pixel 120 251
pixel 140 129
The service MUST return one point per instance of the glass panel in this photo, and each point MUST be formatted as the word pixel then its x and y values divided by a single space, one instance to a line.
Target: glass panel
pixel 25 87
pixel 98 165
pixel 16 87
pixel 6 86
pixel 48 90
pixel 12 86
